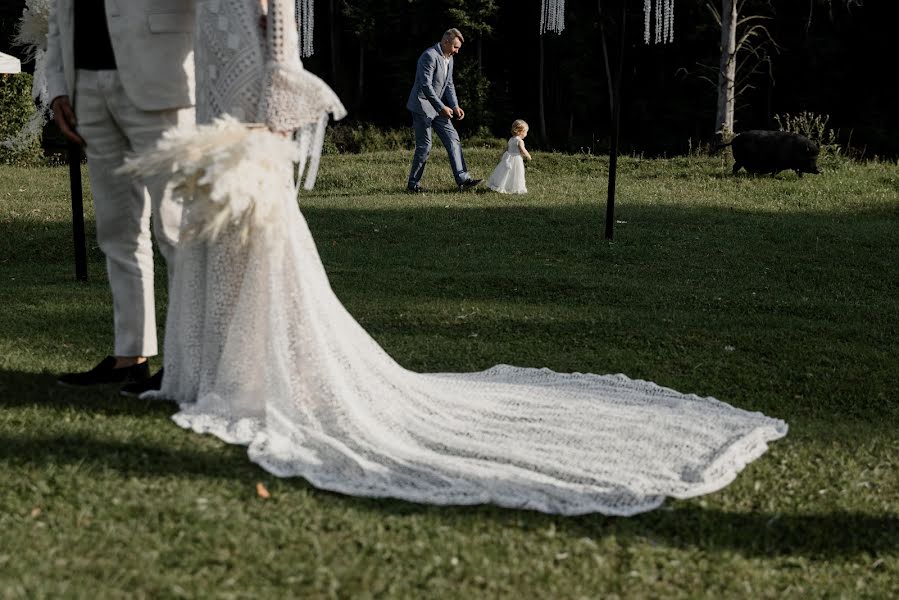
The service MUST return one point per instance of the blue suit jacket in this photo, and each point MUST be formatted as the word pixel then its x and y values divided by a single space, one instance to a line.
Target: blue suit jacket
pixel 432 91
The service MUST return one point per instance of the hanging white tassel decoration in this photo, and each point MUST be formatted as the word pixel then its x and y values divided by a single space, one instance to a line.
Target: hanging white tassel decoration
pixel 669 15
pixel 552 16
pixel 663 15
pixel 305 25
pixel 659 12
pixel 647 22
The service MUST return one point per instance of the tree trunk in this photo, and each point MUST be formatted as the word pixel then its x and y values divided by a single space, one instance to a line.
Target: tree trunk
pixel 480 53
pixel 335 32
pixel 727 71
pixel 360 84
pixel 541 103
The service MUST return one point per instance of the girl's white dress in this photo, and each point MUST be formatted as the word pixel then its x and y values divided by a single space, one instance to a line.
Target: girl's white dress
pixel 508 176
pixel 259 351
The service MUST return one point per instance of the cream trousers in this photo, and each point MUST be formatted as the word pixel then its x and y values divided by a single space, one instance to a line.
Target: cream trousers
pixel 113 128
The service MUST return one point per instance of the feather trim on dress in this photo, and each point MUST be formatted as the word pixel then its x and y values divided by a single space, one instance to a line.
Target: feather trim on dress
pixel 228 172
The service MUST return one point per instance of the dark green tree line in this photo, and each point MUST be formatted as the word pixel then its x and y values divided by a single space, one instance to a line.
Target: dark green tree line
pixel 829 61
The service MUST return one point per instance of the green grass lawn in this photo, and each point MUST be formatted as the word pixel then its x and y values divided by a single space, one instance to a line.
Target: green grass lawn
pixel 773 294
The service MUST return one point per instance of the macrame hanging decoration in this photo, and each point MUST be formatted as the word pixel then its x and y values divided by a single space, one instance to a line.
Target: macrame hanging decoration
pixel 305 24
pixel 552 16
pixel 663 13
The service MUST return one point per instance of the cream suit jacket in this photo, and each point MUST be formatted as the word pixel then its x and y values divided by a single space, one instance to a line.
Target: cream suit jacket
pixel 153 45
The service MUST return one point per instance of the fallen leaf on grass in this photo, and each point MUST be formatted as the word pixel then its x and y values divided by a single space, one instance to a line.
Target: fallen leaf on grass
pixel 261 491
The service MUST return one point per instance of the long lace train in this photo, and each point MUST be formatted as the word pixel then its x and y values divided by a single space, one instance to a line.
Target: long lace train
pixel 265 355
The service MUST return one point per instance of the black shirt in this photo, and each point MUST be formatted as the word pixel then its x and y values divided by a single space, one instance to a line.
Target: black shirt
pixel 93 48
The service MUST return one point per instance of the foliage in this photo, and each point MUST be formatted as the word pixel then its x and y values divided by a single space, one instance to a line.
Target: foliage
pixel 360 17
pixel 355 138
pixel 472 17
pixel 473 90
pixel 773 294
pixel 822 58
pixel 16 108
pixel 814 127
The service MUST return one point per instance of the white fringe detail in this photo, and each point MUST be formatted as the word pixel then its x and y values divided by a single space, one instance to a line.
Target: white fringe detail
pixel 309 100
pixel 647 13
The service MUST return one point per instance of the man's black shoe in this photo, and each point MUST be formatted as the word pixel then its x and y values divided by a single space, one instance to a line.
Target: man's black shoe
pixel 105 372
pixel 415 189
pixel 139 387
pixel 468 184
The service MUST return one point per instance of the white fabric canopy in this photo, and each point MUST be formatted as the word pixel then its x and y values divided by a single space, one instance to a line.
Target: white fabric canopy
pixel 10 64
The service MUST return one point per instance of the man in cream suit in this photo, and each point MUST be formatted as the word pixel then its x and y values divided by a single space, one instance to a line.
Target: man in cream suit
pixel 433 103
pixel 120 72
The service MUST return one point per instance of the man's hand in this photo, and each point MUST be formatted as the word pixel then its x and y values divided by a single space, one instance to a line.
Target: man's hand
pixel 460 114
pixel 64 117
pixel 447 112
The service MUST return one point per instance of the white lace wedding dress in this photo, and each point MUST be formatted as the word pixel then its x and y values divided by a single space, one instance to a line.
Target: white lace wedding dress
pixel 259 351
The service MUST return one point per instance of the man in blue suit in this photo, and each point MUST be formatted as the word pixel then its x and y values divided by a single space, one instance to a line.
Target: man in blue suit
pixel 433 103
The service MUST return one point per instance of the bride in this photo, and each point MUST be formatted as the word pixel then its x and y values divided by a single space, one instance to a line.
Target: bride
pixel 259 351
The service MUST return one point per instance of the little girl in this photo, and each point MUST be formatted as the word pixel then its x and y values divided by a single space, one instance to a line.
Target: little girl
pixel 508 176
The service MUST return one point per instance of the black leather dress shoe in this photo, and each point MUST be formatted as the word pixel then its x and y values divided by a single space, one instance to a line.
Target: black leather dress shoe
pixel 104 373
pixel 139 387
pixel 468 184
pixel 415 189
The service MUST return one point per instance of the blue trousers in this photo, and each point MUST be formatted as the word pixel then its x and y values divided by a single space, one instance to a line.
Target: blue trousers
pixel 450 138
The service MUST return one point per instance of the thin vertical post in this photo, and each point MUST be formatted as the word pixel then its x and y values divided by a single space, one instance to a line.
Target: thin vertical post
pixel 74 157
pixel 616 119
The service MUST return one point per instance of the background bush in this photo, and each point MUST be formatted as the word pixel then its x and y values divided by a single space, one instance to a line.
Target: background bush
pixel 814 127
pixel 355 138
pixel 16 107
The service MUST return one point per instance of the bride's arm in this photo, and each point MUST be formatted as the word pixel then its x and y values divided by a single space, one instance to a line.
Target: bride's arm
pixel 293 99
pixel 279 107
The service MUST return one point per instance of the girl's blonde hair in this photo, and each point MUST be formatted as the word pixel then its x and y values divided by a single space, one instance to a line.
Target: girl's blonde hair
pixel 519 126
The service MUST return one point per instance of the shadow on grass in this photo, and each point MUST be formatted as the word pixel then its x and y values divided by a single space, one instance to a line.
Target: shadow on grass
pixel 824 535
pixel 679 524
pixel 21 390
pixel 660 249
pixel 663 257
pixel 819 535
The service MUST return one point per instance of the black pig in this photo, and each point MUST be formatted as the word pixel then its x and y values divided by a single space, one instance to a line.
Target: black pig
pixel 760 151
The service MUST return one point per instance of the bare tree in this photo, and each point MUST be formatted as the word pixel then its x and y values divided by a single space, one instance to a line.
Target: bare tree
pixel 745 37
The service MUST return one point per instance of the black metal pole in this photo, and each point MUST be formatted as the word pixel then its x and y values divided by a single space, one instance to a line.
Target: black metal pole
pixel 616 119
pixel 613 170
pixel 74 156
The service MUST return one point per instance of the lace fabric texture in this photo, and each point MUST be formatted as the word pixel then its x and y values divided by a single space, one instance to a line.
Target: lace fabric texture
pixel 230 53
pixel 259 351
